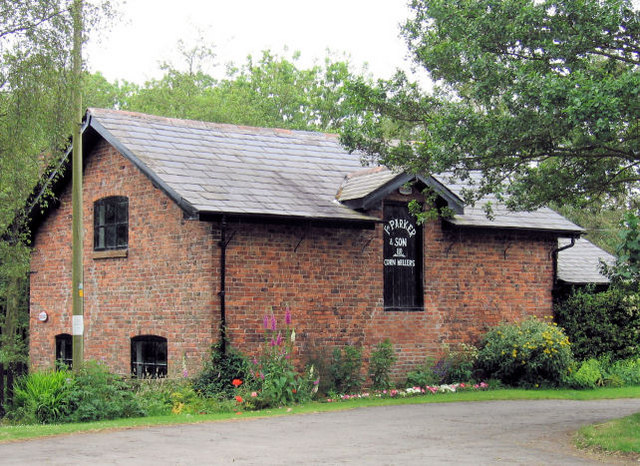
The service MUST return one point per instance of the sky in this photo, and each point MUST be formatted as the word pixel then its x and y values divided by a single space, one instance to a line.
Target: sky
pixel 147 33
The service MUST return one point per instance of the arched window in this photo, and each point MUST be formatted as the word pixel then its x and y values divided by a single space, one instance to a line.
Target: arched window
pixel 64 350
pixel 148 356
pixel 111 223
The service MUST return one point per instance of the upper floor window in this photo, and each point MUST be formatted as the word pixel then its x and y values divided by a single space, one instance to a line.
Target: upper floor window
pixel 111 223
pixel 402 251
pixel 149 356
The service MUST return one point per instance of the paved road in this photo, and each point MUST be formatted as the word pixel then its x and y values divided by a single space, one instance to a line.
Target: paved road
pixel 511 432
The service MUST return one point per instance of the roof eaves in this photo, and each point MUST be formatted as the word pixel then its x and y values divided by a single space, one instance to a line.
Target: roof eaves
pixel 453 201
pixel 189 209
pixel 561 232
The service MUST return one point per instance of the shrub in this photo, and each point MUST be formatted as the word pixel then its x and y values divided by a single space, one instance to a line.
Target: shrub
pixel 346 364
pixel 97 394
pixel 601 324
pixel 625 372
pixel 215 380
pixel 589 375
pixel 457 364
pixel 382 359
pixel 423 375
pixel 527 353
pixel 41 397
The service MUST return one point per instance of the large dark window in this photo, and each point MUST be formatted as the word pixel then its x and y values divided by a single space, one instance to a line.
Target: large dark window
pixel 111 223
pixel 64 351
pixel 149 356
pixel 402 259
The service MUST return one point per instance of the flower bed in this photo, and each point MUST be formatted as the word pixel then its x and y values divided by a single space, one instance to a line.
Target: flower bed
pixel 411 391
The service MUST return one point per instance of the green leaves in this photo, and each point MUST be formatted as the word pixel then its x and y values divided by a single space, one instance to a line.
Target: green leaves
pixel 270 91
pixel 541 96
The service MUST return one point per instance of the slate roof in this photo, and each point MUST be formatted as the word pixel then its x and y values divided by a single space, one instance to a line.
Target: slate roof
pixel 540 219
pixel 366 182
pixel 218 168
pixel 580 264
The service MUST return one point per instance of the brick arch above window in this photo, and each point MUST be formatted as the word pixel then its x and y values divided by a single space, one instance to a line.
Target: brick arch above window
pixel 111 223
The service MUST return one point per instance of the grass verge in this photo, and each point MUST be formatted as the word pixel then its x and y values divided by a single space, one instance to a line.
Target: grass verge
pixel 620 435
pixel 20 432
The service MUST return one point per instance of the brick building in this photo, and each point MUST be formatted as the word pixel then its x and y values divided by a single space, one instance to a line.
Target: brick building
pixel 191 224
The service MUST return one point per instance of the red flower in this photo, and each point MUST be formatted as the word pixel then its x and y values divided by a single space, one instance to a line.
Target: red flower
pixel 239 399
pixel 236 382
pixel 294 390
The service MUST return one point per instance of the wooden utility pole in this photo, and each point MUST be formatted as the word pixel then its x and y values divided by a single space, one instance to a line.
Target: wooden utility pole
pixel 77 278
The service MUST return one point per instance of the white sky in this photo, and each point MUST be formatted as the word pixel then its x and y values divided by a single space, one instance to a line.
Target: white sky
pixel 148 32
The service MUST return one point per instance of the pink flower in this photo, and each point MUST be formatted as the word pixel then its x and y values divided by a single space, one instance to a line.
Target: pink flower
pixel 254 394
pixel 483 385
pixel 265 322
pixel 462 385
pixel 273 323
pixel 287 317
pixel 279 340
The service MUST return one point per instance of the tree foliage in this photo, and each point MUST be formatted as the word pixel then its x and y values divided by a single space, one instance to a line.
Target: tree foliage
pixel 540 95
pixel 272 91
pixel 34 116
pixel 625 273
pixel 35 123
pixel 601 324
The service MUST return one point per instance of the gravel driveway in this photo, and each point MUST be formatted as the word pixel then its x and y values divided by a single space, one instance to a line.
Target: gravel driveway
pixel 510 432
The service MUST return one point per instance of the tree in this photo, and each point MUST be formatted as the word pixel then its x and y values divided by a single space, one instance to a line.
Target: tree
pixel 35 123
pixel 539 95
pixel 272 91
pixel 34 116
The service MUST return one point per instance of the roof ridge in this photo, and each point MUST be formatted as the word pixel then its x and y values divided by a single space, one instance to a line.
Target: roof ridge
pixel 210 124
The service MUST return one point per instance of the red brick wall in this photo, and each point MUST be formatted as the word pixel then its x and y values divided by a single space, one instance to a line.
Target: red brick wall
pixel 330 277
pixel 333 286
pixel 166 286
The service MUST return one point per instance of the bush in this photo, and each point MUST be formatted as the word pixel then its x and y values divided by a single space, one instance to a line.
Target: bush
pixel 346 364
pixel 423 375
pixel 97 394
pixel 382 359
pixel 589 375
pixel 601 324
pixel 41 397
pixel 527 353
pixel 457 364
pixel 215 380
pixel 625 372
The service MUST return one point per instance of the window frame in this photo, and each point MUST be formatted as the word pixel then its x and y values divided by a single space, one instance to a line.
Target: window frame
pixel 150 346
pixel 64 343
pixel 111 234
pixel 391 273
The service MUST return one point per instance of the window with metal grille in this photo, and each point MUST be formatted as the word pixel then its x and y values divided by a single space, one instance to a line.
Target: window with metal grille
pixel 111 223
pixel 402 251
pixel 64 350
pixel 148 356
